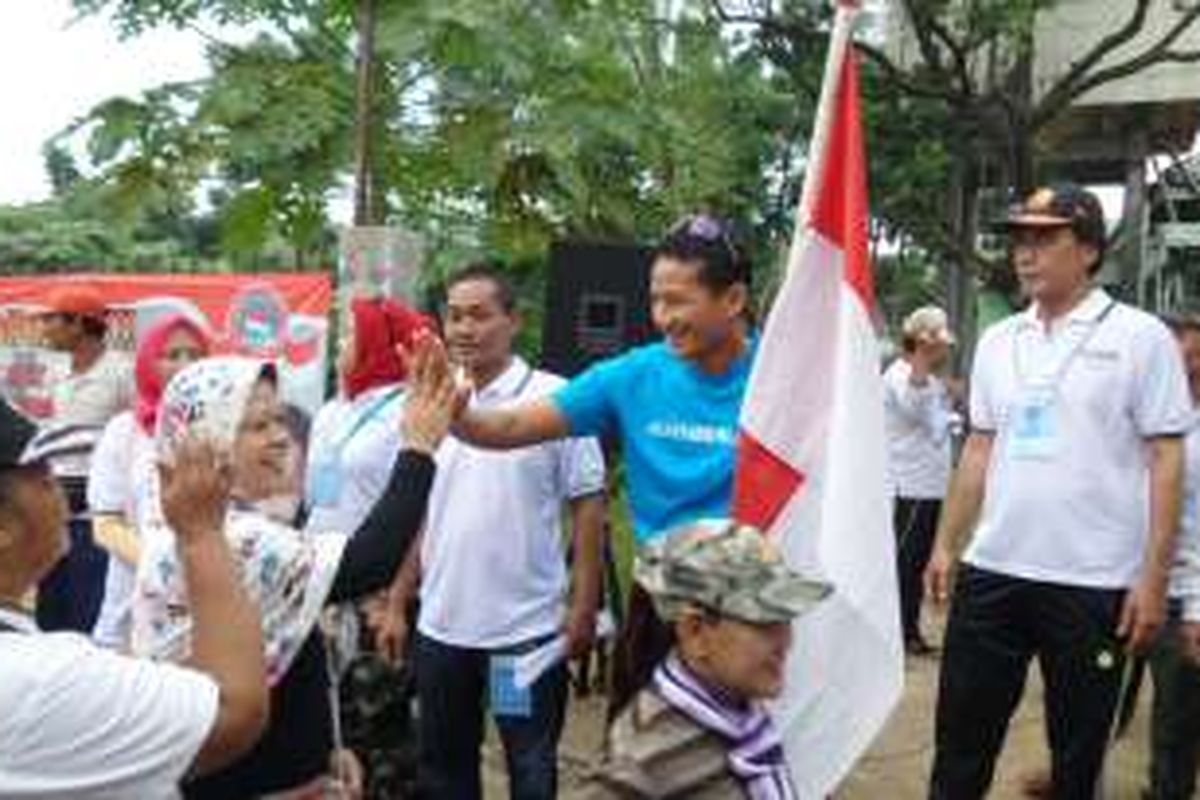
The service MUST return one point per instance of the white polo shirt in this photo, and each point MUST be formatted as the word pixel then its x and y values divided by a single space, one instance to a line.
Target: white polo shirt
pixel 77 721
pixel 493 571
pixel 918 420
pixel 1071 504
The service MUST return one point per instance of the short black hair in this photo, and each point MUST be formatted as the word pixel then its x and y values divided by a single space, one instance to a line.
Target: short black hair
pixel 709 242
pixel 492 272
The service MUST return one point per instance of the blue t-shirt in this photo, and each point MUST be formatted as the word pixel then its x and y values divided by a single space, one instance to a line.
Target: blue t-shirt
pixel 678 427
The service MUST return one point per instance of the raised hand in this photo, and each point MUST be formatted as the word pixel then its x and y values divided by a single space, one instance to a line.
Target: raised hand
pixel 433 399
pixel 195 489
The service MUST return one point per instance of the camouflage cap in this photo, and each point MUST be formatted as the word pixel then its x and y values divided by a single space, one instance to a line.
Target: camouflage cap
pixel 730 569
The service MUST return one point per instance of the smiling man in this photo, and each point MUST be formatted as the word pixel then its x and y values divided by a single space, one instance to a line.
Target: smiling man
pixel 490 565
pixel 673 406
pixel 1073 466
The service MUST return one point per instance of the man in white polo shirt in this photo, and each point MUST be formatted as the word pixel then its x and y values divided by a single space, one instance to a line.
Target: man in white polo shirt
pixel 1073 466
pixel 919 416
pixel 492 570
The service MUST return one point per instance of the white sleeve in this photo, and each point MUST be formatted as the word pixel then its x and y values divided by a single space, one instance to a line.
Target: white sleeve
pixel 581 467
pixel 108 477
pixel 1161 401
pixel 984 414
pixel 91 723
pixel 923 406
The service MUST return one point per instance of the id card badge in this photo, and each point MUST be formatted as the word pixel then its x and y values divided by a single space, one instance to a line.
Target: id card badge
pixel 506 699
pixel 327 484
pixel 1035 434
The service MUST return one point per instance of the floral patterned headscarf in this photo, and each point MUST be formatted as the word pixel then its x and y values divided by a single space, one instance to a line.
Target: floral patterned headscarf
pixel 286 573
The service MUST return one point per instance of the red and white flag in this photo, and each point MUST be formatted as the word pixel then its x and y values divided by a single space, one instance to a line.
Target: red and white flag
pixel 810 467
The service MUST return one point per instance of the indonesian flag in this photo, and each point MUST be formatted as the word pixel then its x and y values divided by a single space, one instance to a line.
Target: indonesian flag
pixel 810 463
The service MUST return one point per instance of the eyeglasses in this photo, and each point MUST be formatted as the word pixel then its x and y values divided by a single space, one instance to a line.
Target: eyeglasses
pixel 707 228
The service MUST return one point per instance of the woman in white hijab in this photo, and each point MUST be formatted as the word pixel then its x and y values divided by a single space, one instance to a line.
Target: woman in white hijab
pixel 233 402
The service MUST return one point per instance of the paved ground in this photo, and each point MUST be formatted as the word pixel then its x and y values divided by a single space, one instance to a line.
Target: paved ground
pixel 896 766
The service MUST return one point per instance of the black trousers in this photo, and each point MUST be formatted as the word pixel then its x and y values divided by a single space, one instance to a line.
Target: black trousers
pixel 643 641
pixel 915 522
pixel 1175 719
pixel 997 624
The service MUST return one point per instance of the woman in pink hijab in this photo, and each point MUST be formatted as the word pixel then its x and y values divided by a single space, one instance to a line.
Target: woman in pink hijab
pixel 122 485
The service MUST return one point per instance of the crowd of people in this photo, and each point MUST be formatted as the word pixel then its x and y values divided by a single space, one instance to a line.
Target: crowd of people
pixel 200 556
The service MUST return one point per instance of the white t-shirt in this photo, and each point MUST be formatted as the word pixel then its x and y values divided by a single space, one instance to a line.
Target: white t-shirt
pixel 86 723
pixel 918 420
pixel 493 569
pixel 123 480
pixel 361 437
pixel 90 399
pixel 1067 492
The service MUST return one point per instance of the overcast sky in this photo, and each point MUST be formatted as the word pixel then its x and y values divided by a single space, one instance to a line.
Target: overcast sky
pixel 55 68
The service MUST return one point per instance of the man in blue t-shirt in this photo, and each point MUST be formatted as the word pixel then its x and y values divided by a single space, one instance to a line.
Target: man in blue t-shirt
pixel 673 405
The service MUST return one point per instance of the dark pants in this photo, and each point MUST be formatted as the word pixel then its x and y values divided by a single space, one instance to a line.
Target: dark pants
pixel 69 598
pixel 452 686
pixel 1175 718
pixel 643 641
pixel 915 523
pixel 997 624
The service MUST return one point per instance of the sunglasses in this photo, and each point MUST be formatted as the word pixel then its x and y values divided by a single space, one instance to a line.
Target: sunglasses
pixel 706 228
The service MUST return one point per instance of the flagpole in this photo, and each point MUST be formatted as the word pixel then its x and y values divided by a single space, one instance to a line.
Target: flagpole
pixel 839 40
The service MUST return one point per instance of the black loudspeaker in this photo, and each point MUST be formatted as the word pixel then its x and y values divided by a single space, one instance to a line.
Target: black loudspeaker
pixel 597 304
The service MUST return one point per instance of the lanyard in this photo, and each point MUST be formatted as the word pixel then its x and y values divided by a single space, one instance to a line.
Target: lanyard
pixel 1069 360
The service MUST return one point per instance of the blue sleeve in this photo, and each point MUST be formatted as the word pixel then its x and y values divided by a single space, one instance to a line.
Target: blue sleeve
pixel 588 401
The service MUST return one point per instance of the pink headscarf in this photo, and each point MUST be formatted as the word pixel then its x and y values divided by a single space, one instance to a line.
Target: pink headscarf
pixel 152 347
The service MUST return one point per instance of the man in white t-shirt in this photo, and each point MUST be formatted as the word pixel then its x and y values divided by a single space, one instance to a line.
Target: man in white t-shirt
pixel 1073 466
pixel 100 386
pixel 919 417
pixel 492 571
pixel 82 722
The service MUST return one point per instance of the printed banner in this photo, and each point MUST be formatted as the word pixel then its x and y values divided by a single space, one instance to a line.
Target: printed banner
pixel 280 316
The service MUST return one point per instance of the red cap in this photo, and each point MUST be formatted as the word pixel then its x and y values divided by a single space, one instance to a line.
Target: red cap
pixel 80 300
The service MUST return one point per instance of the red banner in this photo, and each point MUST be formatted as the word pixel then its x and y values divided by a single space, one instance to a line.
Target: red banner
pixel 280 316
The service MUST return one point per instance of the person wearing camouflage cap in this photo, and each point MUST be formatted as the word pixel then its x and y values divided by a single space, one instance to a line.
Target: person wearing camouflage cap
pixel 699 729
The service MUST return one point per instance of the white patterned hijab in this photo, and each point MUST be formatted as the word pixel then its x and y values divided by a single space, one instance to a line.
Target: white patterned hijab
pixel 286 573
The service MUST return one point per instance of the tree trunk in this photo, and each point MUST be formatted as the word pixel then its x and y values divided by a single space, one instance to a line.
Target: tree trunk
pixel 1130 264
pixel 961 286
pixel 365 210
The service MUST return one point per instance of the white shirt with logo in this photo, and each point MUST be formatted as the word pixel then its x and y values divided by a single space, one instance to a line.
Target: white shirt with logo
pixel 1067 491
pixel 493 566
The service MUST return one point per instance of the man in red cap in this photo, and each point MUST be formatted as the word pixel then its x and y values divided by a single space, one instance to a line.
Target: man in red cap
pixel 99 386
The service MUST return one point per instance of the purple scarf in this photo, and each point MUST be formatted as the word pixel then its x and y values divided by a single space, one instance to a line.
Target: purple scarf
pixel 755 747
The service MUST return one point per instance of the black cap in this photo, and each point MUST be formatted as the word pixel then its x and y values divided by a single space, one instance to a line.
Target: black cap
pixel 1063 204
pixel 15 433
